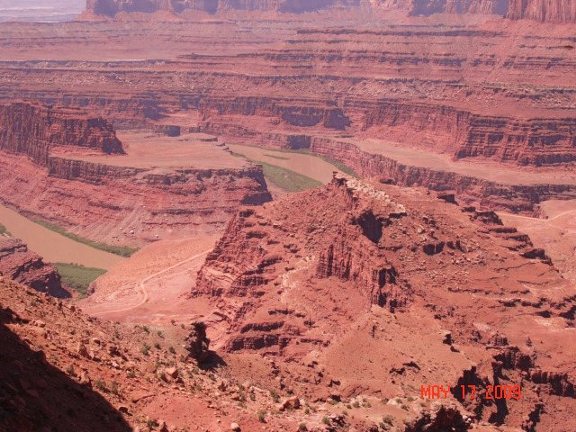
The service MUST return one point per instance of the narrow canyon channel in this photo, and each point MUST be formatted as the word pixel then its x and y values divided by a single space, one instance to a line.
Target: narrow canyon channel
pixel 52 246
pixel 301 163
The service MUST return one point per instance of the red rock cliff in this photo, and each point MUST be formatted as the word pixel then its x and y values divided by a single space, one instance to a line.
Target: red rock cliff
pixel 560 11
pixel 32 130
pixel 112 7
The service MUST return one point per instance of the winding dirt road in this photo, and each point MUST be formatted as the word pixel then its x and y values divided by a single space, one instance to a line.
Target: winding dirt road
pixel 142 285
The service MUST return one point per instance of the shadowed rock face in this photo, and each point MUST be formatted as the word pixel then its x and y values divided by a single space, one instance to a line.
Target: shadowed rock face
pixel 35 395
pixel 23 266
pixel 559 11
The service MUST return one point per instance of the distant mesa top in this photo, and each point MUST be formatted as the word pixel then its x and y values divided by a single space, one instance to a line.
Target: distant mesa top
pixel 559 11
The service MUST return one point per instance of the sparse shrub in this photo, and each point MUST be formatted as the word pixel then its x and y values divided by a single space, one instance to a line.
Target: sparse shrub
pixel 326 420
pixel 145 349
pixel 262 416
pixel 114 388
pixel 152 424
pixel 101 385
pixel 157 346
pixel 146 329
pixel 131 374
pixel 356 404
pixel 252 396
pixel 160 334
pixel 275 396
pixel 70 370
pixel 302 427
pixel 172 350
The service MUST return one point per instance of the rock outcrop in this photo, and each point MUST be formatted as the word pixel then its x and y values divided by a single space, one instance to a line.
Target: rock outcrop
pixel 21 265
pixel 553 11
pixel 45 173
pixel 354 270
pixel 113 7
pixel 33 130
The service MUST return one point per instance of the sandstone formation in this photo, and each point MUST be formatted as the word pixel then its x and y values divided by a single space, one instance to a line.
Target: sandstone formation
pixel 113 7
pixel 486 94
pixel 554 11
pixel 47 172
pixel 393 268
pixel 64 370
pixel 32 130
pixel 21 265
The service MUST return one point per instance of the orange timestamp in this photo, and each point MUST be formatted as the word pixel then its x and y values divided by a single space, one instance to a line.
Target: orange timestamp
pixel 471 392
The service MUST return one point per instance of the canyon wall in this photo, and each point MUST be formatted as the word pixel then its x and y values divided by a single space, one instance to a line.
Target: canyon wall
pixel 510 197
pixel 33 130
pixel 113 203
pixel 558 11
pixel 112 7
pixel 26 267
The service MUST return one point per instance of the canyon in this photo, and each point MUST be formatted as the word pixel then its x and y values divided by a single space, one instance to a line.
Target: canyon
pixel 49 154
pixel 431 242
pixel 485 91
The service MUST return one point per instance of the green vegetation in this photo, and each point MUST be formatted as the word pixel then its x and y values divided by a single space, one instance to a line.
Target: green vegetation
pixel 78 277
pixel 288 180
pixel 292 181
pixel 124 251
pixel 3 230
pixel 276 156
pixel 340 165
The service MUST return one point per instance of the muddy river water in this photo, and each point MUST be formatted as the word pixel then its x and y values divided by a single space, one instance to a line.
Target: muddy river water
pixel 52 246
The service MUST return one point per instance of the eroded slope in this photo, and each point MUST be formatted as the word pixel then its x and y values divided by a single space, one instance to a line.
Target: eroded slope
pixel 366 289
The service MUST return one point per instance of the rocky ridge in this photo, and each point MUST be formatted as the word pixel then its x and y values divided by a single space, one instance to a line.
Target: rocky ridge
pixel 376 257
pixel 120 378
pixel 554 11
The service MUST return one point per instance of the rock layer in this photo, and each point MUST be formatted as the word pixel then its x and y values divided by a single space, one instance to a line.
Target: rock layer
pixel 32 130
pixel 554 11
pixel 112 7
pixel 21 265
pixel 125 205
pixel 357 270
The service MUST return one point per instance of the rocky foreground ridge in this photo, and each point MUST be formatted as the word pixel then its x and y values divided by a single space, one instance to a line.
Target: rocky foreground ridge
pixel 560 11
pixel 43 173
pixel 372 289
pixel 103 376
